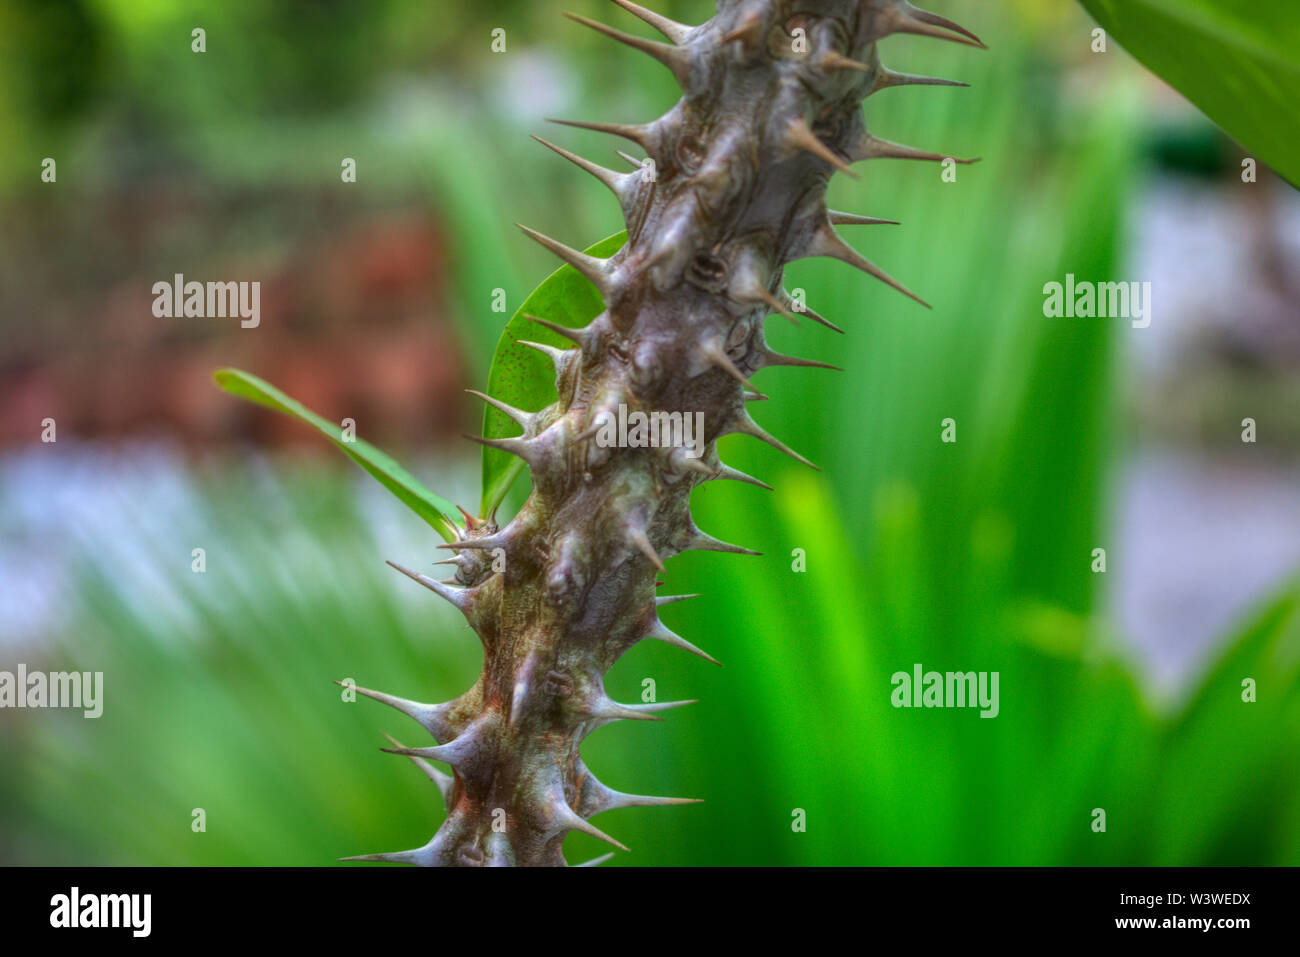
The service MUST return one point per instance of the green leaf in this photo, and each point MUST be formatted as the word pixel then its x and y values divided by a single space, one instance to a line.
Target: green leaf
pixel 1239 62
pixel 434 509
pixel 523 377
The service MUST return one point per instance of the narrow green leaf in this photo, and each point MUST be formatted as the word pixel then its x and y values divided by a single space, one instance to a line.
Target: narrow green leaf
pixel 1237 61
pixel 524 378
pixel 434 509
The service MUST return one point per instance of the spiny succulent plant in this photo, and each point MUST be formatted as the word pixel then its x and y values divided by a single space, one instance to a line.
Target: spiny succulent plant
pixel 771 107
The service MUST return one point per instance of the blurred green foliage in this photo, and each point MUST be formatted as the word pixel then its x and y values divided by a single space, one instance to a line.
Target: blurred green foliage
pixel 1239 62
pixel 965 556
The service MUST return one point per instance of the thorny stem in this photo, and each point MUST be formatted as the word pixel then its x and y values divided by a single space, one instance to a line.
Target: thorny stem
pixel 771 108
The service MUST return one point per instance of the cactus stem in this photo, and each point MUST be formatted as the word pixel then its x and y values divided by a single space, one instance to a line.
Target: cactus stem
pixel 736 191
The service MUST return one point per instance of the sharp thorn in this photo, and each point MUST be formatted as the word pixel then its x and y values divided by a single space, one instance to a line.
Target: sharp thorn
pixel 818 318
pixel 639 164
pixel 853 219
pixel 460 597
pixel 638 538
pixel 444 782
pixel 661 600
pixel 727 472
pixel 428 716
pixel 677 32
pixel 657 706
pixel 608 710
pixel 719 358
pixel 775 304
pixel 594 269
pixel 515 446
pixel 701 542
pixel 683 461
pixel 661 632
pixel 552 353
pixel 748 426
pixel 831 60
pixel 828 243
pixel 607 176
pixel 519 416
pixel 396 857
pixel 485 544
pixel 676 59
pixel 453 752
pixel 620 800
pixel 909 19
pixel 885 78
pixel 780 359
pixel 799 135
pixel 872 147
pixel 573 822
pixel 637 134
pixel 573 335
pixel 471 521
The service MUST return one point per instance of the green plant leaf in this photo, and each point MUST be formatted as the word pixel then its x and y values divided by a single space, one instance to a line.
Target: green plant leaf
pixel 434 509
pixel 1239 62
pixel 523 377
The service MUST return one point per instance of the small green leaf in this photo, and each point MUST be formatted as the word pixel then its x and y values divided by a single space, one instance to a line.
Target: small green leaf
pixel 434 509
pixel 523 377
pixel 1237 61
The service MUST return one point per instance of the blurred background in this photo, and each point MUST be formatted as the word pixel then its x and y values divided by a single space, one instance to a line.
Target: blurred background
pixel 1119 690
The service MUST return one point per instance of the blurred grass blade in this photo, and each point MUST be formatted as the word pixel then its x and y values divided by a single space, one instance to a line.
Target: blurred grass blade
pixel 1229 762
pixel 434 509
pixel 1239 62
pixel 522 377
pixel 471 194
